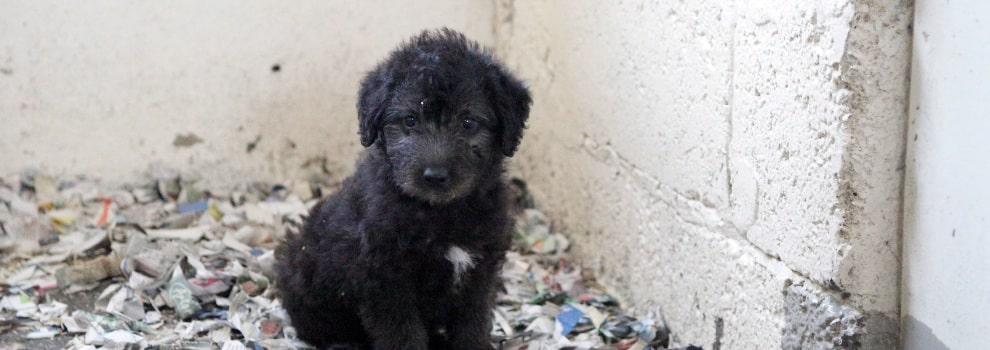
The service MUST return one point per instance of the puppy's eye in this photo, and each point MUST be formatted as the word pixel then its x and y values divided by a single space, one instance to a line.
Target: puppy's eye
pixel 410 121
pixel 469 124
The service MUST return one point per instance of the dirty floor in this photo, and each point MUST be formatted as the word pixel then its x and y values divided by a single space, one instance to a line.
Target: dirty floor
pixel 168 263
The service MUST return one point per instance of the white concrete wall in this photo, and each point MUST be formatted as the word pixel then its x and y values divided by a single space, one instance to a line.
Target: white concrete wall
pixel 111 87
pixel 946 280
pixel 735 166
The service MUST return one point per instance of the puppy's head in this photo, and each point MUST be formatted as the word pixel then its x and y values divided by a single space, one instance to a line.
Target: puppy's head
pixel 444 112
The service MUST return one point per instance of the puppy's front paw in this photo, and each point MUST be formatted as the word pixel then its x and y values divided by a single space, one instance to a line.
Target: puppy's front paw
pixel 482 345
pixel 471 340
pixel 409 336
pixel 397 343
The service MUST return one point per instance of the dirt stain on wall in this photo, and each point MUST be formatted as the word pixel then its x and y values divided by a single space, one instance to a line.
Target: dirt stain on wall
pixel 186 140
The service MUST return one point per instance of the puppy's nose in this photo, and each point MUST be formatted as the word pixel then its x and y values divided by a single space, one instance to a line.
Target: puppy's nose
pixel 436 176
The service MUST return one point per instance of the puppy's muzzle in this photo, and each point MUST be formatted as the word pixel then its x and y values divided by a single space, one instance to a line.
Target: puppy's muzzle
pixel 436 177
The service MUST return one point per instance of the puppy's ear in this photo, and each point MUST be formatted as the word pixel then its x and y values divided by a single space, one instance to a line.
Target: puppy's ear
pixel 510 99
pixel 376 89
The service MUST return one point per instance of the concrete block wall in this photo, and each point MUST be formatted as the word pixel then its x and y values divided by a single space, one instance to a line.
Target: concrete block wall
pixel 734 166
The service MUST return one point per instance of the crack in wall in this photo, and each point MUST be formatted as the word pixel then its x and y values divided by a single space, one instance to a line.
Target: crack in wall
pixel 731 108
pixel 710 218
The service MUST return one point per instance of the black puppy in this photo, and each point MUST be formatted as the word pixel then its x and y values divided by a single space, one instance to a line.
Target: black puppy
pixel 407 255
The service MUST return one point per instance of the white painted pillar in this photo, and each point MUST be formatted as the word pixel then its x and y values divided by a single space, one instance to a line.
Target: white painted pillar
pixel 946 275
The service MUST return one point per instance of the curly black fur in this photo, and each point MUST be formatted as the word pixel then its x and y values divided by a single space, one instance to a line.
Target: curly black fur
pixel 374 266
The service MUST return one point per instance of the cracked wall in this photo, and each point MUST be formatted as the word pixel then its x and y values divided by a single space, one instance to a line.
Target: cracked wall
pixel 723 162
pixel 263 89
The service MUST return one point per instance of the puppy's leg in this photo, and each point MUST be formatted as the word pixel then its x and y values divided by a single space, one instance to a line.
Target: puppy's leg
pixel 470 324
pixel 391 318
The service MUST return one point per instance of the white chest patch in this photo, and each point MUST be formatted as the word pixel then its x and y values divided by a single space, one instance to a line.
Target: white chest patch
pixel 462 261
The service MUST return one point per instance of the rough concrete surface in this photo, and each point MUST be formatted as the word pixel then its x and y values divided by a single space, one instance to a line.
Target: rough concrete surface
pixel 256 88
pixel 711 154
pixel 815 320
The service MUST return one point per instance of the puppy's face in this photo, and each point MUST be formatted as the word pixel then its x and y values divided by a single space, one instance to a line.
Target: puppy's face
pixel 439 146
pixel 444 113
